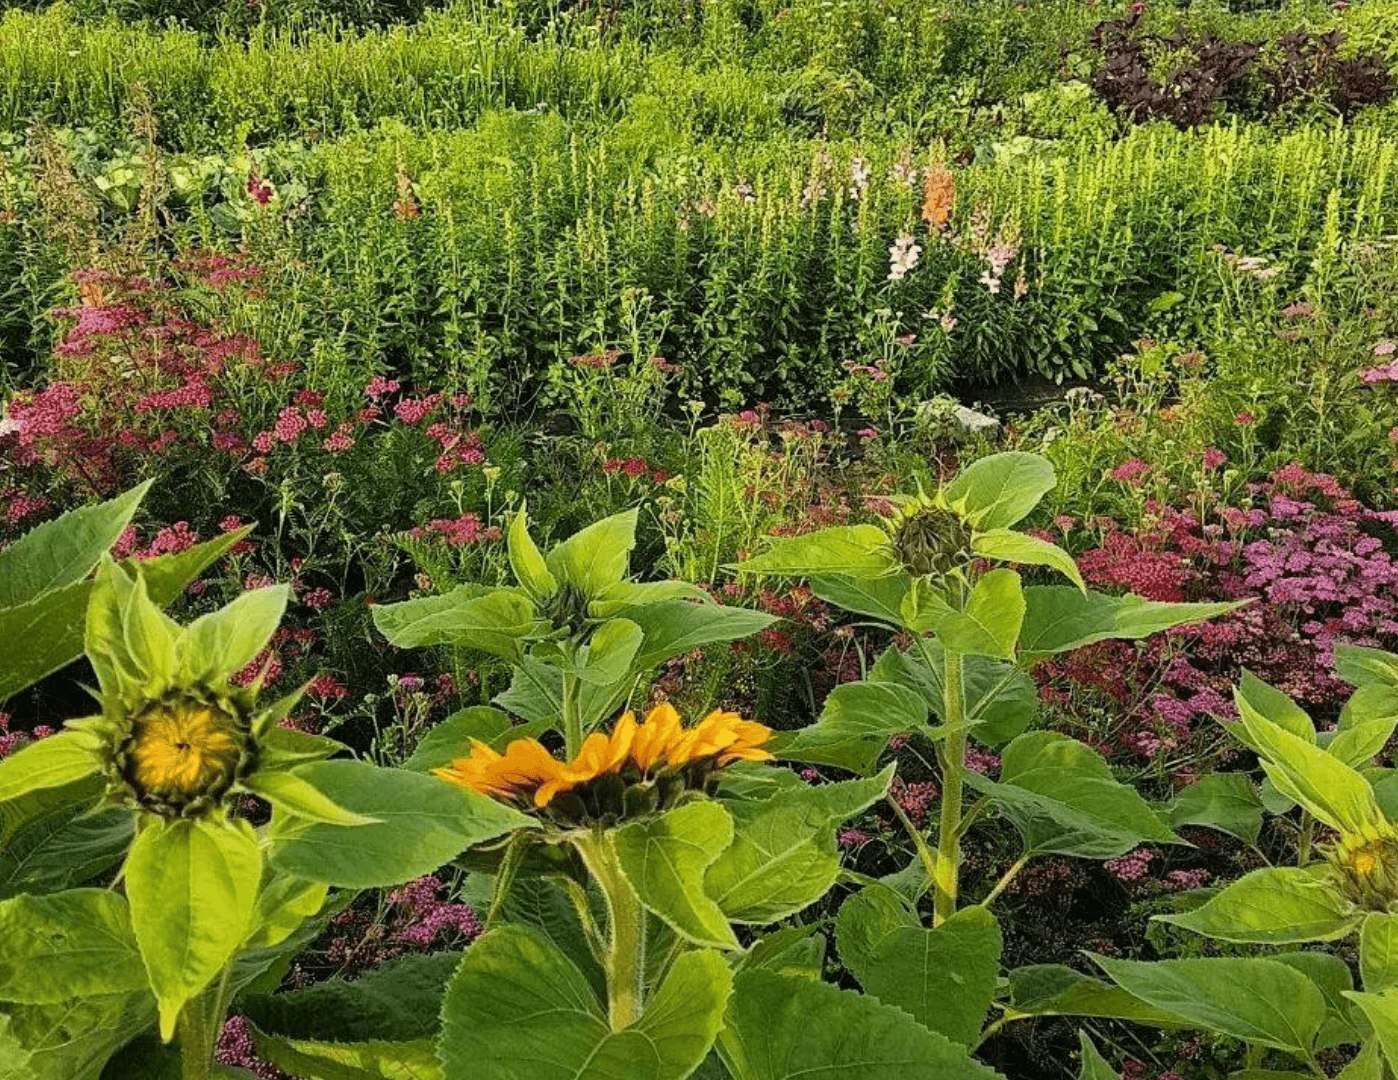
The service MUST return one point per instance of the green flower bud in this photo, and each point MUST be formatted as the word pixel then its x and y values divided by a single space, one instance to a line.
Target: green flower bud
pixel 930 541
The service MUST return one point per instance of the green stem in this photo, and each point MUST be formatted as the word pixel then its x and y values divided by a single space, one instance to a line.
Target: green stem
pixel 925 852
pixel 1005 879
pixel 1303 842
pixel 953 757
pixel 572 717
pixel 625 960
pixel 198 1029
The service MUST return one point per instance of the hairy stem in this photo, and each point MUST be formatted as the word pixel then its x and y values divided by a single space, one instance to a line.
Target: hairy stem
pixel 1005 879
pixel 1304 841
pixel 198 1029
pixel 953 757
pixel 625 960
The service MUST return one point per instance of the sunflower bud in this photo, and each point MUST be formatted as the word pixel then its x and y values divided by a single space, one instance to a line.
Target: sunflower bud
pixel 181 754
pixel 1367 871
pixel 567 610
pixel 930 541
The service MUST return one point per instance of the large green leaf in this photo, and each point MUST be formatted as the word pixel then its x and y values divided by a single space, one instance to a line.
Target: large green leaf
pixel 65 550
pixel 855 725
pixel 1367 721
pixel 1058 990
pixel 1362 666
pixel 55 839
pixel 785 1027
pixel 47 633
pixel 1381 1010
pixel 527 561
pixel 1001 698
pixel 1334 792
pixel 1278 905
pixel 1270 703
pixel 518 1009
pixel 382 1025
pixel 293 793
pixel 54 762
pixel 879 598
pixel 944 977
pixel 610 652
pixel 192 886
pixel 1000 490
pixel 1094 1065
pixel 784 856
pixel 1333 978
pixel 225 641
pixel 847 551
pixel 1227 802
pixel 675 627
pixel 1378 952
pixel 129 642
pixel 1059 617
pixel 1007 545
pixel 421 823
pixel 496 621
pixel 1062 797
pixel 1257 1000
pixel 665 857
pixel 72 1040
pixel 596 556
pixel 71 944
pixel 990 623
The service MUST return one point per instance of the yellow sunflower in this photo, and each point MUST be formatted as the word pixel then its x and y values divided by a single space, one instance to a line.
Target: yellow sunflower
pixel 521 769
pixel 723 736
pixel 600 754
pixel 527 770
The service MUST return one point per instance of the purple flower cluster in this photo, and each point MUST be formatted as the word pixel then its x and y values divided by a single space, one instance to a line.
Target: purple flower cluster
pixel 236 1050
pixel 429 917
pixel 1317 566
pixel 1131 867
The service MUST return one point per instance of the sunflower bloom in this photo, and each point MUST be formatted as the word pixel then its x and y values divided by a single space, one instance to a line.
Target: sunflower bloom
pixel 600 754
pixel 654 737
pixel 725 736
pixel 523 767
pixel 635 754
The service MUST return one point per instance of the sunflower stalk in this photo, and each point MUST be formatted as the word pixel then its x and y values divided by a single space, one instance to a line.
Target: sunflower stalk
pixel 625 959
pixel 198 1029
pixel 953 760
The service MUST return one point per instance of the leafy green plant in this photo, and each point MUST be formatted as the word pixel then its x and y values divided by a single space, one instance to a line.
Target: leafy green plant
pixel 578 632
pixel 207 902
pixel 929 571
pixel 1300 1003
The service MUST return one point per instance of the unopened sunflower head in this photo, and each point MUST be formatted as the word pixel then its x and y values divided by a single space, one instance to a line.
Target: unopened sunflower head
pixel 182 754
pixel 637 768
pixel 928 539
pixel 1366 868
pixel 175 735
